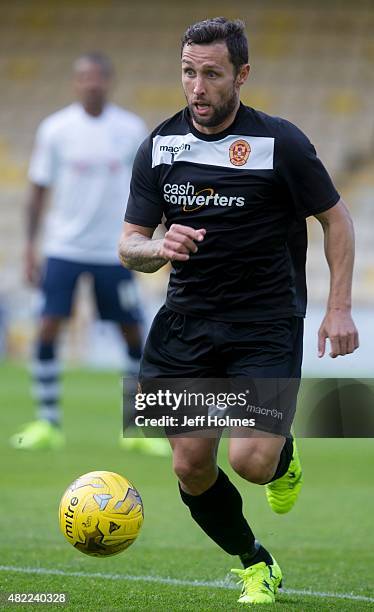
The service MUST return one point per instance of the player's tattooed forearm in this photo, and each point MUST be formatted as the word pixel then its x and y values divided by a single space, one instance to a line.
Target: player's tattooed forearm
pixel 143 265
pixel 140 254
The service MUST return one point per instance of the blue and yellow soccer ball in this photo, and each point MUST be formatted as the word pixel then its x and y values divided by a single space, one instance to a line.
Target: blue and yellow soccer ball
pixel 101 513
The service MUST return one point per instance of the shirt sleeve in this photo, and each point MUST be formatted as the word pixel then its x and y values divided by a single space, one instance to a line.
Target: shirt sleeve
pixel 42 163
pixel 145 204
pixel 306 179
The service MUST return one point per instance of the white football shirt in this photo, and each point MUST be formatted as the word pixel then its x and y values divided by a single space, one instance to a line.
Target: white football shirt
pixel 87 163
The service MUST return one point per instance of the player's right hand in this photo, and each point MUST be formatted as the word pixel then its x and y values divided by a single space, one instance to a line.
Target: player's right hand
pixel 31 266
pixel 180 241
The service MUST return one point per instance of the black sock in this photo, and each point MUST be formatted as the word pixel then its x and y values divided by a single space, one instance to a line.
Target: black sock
pixel 284 459
pixel 218 511
pixel 260 554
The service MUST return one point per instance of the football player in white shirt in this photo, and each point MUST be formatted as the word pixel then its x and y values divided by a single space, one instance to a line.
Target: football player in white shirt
pixel 83 155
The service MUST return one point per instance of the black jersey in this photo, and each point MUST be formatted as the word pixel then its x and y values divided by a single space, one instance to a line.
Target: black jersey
pixel 251 187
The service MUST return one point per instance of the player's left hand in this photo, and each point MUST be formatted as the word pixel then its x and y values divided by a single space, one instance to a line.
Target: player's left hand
pixel 339 327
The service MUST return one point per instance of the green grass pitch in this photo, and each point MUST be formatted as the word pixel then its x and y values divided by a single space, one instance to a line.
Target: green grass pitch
pixel 324 545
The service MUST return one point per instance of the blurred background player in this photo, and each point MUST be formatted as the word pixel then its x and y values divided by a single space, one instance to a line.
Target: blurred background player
pixel 83 154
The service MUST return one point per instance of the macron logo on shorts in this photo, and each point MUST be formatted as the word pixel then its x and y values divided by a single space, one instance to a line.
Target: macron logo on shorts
pixel 236 151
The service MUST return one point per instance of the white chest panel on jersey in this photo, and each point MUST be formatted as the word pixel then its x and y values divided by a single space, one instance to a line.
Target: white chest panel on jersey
pixel 234 151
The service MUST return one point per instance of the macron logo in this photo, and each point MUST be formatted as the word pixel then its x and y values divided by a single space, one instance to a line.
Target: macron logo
pixel 182 147
pixel 174 150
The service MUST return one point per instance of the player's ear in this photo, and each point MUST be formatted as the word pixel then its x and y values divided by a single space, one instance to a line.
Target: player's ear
pixel 243 74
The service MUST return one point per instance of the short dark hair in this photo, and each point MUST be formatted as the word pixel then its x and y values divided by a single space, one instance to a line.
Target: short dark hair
pixel 99 58
pixel 220 29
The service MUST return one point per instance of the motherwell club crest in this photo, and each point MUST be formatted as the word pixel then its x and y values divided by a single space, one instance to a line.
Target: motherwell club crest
pixel 239 152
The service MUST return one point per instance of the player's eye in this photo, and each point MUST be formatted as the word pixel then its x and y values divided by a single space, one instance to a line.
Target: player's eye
pixel 189 72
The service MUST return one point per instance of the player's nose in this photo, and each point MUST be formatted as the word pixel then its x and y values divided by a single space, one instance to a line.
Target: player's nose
pixel 199 87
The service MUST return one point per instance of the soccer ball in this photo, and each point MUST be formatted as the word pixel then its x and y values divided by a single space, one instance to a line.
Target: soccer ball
pixel 101 513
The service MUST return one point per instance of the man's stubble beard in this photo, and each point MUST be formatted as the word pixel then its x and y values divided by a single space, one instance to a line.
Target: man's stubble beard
pixel 220 113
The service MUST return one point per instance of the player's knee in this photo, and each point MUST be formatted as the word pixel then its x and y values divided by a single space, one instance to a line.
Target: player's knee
pixel 49 329
pixel 254 467
pixel 192 472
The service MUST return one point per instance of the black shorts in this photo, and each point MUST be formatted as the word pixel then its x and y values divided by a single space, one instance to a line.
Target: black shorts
pixel 185 347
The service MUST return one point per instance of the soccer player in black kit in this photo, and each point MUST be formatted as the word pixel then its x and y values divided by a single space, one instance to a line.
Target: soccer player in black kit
pixel 234 186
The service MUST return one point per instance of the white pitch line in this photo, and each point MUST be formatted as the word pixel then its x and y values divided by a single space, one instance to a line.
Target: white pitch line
pixel 220 584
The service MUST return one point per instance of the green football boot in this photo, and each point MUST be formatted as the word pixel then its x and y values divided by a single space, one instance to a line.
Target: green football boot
pixel 38 435
pixel 260 583
pixel 283 492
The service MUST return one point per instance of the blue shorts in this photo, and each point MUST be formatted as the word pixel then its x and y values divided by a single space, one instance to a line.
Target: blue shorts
pixel 114 288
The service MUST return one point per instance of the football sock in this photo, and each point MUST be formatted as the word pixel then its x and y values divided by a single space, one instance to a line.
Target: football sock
pixel 218 511
pixel 260 554
pixel 284 459
pixel 46 388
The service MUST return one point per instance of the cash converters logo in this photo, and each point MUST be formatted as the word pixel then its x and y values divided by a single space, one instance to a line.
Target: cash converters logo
pixel 239 152
pixel 190 200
